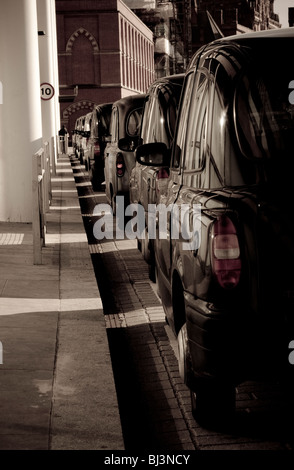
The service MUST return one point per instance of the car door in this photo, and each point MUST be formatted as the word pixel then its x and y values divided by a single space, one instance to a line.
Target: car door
pixel 191 197
pixel 110 156
pixel 136 172
pixel 138 180
pixel 168 198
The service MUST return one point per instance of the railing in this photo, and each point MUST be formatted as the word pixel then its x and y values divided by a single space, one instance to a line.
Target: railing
pixel 41 188
pixel 53 151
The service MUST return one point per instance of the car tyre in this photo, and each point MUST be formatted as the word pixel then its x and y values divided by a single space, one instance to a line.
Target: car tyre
pixel 145 247
pixel 151 266
pixel 156 280
pixel 213 403
pixel 113 205
pixel 185 364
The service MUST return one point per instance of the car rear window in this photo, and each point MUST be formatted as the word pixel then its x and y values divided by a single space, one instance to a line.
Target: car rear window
pixel 264 110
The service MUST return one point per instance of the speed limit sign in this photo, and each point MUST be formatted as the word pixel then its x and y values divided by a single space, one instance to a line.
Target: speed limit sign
pixel 47 91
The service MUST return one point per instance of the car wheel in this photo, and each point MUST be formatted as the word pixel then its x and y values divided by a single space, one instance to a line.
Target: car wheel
pixel 213 403
pixel 152 267
pixel 95 180
pixel 185 364
pixel 143 245
pixel 139 244
pixel 145 248
pixel 178 303
pixel 156 280
pixel 113 206
pixel 96 187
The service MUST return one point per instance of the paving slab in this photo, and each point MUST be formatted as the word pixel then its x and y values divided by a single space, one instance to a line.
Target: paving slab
pixel 57 389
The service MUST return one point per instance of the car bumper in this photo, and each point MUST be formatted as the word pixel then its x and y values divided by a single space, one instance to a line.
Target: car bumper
pixel 232 344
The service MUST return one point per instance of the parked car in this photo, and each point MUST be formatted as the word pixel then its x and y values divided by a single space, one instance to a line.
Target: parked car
pixel 73 138
pixel 158 123
pixel 85 134
pixel 119 154
pixel 78 138
pixel 75 134
pixel 228 287
pixel 97 141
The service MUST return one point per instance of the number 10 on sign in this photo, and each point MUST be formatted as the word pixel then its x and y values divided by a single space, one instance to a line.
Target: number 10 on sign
pixel 47 91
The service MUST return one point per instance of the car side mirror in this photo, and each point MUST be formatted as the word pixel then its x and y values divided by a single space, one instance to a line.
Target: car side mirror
pixel 153 154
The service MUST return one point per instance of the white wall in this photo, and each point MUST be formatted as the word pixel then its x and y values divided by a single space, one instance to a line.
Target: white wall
pixel 20 113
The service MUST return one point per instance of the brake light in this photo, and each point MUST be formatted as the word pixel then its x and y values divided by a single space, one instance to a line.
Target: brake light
pixel 162 173
pixel 97 149
pixel 226 261
pixel 120 165
pixel 161 181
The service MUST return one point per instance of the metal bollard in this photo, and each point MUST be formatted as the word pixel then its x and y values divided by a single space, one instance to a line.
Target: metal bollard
pixel 61 144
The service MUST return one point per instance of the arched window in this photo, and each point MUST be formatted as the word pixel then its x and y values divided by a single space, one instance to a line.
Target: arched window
pixel 83 47
pixel 82 62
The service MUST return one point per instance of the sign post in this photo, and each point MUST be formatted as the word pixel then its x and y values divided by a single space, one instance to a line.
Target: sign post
pixel 47 91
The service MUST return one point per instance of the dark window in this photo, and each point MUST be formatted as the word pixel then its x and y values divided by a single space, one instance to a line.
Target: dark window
pixel 180 137
pixel 82 61
pixel 114 125
pixel 159 116
pixel 195 145
pixel 223 162
pixel 94 125
pixel 134 122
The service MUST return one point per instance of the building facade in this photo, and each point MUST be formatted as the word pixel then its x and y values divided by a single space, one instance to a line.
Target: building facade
pixel 239 16
pixel 171 23
pixel 105 52
pixel 108 49
pixel 180 27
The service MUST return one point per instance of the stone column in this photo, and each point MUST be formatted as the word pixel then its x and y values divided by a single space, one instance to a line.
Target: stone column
pixel 55 64
pixel 20 112
pixel 47 53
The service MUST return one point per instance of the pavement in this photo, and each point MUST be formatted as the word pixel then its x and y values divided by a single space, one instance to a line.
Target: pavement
pixel 57 389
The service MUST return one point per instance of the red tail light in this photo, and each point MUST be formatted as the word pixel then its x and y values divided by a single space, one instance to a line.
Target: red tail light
pixel 97 149
pixel 162 173
pixel 120 165
pixel 226 261
pixel 161 180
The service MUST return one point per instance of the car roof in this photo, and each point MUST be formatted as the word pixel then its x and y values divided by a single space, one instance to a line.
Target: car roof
pixel 103 106
pixel 268 33
pixel 176 79
pixel 130 102
pixel 125 106
pixel 273 38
